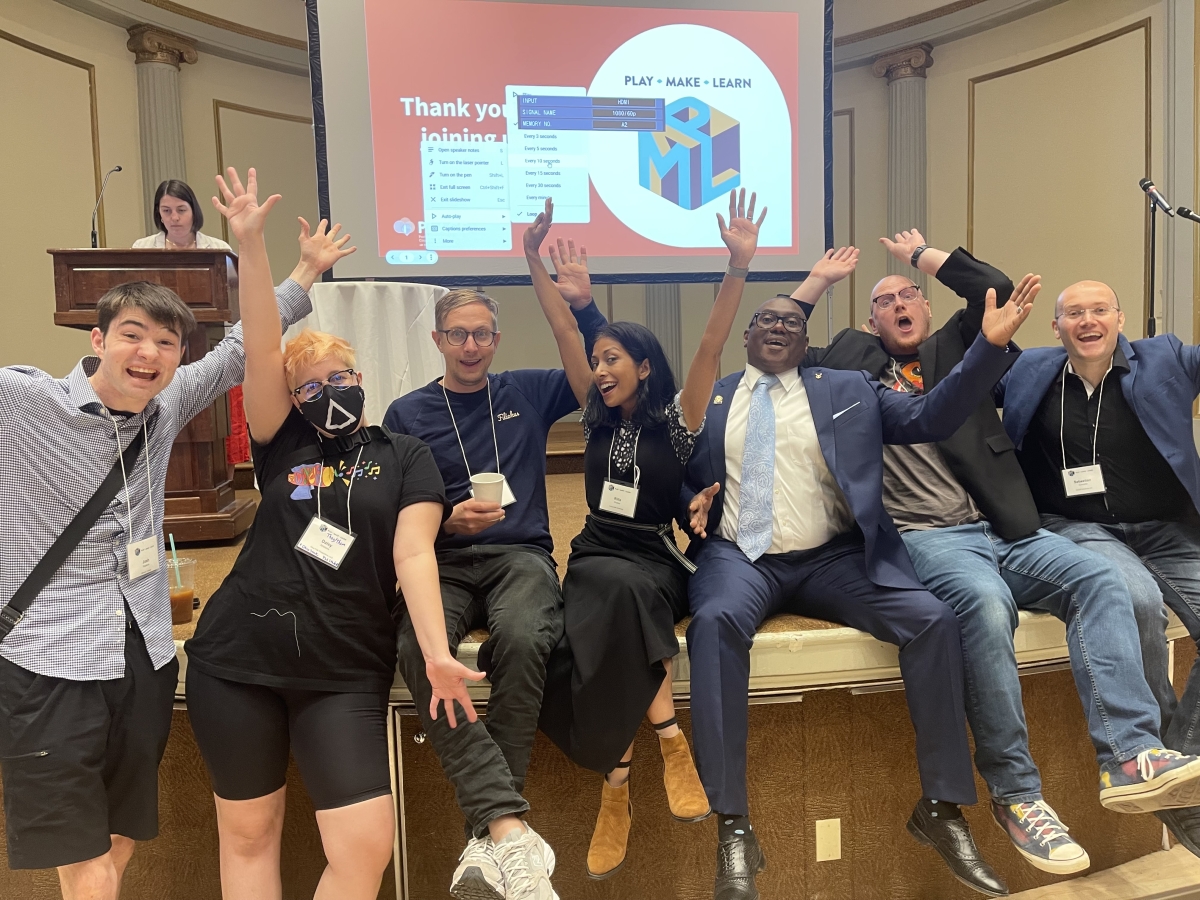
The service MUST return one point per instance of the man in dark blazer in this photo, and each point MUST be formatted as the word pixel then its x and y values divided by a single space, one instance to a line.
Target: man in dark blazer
pixel 784 494
pixel 1103 429
pixel 973 532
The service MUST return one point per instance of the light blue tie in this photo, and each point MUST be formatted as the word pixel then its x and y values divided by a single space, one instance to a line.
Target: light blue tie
pixel 755 510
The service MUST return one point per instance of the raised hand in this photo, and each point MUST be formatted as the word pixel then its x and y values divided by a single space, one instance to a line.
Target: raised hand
pixel 903 246
pixel 999 325
pixel 448 678
pixel 538 229
pixel 320 249
pixel 741 234
pixel 241 207
pixel 699 507
pixel 571 273
pixel 835 265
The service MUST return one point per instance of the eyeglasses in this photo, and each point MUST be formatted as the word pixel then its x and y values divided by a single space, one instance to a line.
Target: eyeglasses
pixel 458 336
pixel 887 301
pixel 767 320
pixel 1098 311
pixel 311 390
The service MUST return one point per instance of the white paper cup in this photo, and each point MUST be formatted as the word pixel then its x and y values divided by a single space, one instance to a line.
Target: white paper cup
pixel 488 486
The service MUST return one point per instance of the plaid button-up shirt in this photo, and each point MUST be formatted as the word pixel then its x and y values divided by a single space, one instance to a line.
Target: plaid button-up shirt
pixel 56 447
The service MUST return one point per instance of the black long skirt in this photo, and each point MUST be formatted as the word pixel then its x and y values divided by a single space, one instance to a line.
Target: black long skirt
pixel 623 593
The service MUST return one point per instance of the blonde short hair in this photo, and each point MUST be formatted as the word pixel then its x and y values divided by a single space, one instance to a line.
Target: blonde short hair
pixel 464 297
pixel 310 346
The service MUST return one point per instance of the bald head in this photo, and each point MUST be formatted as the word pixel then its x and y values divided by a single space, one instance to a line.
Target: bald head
pixel 902 322
pixel 1088 321
pixel 1085 294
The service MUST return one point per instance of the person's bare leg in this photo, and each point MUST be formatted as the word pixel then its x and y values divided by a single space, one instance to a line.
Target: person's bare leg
pixel 358 841
pixel 251 832
pixel 95 879
pixel 620 774
pixel 662 707
pixel 500 828
pixel 121 853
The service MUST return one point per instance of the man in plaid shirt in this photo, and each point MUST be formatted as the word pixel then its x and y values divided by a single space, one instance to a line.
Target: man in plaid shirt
pixel 87 678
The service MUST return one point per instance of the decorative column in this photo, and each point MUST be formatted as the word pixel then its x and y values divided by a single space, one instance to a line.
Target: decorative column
pixel 664 319
pixel 905 73
pixel 159 54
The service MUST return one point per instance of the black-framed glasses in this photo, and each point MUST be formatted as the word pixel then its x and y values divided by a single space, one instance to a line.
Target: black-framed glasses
pixel 768 320
pixel 311 390
pixel 887 301
pixel 458 336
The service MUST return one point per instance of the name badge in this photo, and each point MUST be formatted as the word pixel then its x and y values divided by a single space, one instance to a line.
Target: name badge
pixel 619 498
pixel 325 542
pixel 1083 480
pixel 142 557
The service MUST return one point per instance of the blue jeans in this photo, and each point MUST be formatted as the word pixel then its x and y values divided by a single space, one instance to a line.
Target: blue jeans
pixel 986 579
pixel 1160 561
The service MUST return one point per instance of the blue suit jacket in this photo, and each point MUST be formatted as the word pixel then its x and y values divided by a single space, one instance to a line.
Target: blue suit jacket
pixel 868 416
pixel 1163 380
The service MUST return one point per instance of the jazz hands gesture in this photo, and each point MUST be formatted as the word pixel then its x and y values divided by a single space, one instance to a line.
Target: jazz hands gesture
pixel 570 267
pixel 241 207
pixel 741 234
pixel 999 325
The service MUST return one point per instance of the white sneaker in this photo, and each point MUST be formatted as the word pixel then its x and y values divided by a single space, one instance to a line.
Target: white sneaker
pixel 526 862
pixel 477 876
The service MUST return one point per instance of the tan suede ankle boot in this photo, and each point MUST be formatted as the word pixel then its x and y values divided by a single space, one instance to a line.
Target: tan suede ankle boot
pixel 607 851
pixel 685 793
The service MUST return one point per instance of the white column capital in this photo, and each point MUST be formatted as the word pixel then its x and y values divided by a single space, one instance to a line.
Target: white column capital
pixel 151 44
pixel 908 62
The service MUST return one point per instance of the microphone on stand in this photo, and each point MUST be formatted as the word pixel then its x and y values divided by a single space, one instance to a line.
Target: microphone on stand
pixel 95 242
pixel 1152 192
pixel 1187 214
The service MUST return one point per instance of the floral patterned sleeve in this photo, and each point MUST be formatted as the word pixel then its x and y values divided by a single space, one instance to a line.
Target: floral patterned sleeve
pixel 682 440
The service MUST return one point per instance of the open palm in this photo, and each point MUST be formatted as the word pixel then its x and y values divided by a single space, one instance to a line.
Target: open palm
pixel 241 207
pixel 835 265
pixel 571 273
pixel 1000 324
pixel 741 234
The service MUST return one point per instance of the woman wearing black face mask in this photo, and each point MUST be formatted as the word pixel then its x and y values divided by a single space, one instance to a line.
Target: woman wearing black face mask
pixel 296 650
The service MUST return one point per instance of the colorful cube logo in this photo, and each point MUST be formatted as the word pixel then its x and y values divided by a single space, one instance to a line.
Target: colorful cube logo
pixel 696 159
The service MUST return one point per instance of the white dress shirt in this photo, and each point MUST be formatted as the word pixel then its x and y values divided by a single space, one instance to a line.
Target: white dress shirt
pixel 809 507
pixel 158 241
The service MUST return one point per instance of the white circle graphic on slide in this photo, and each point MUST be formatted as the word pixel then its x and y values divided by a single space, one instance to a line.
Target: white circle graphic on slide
pixel 693 61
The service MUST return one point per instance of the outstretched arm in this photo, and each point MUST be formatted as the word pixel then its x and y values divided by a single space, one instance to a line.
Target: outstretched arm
pixel 562 323
pixel 417 573
pixel 825 273
pixel 741 237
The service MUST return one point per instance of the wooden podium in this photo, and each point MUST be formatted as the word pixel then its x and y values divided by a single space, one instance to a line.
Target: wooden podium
pixel 200 502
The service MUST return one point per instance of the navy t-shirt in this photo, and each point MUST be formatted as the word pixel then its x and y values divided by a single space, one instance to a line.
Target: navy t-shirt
pixel 526 403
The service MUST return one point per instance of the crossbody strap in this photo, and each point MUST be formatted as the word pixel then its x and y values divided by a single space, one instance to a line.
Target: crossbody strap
pixel 66 542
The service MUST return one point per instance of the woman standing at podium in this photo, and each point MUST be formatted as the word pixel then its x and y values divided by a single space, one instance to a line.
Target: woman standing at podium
pixel 179 220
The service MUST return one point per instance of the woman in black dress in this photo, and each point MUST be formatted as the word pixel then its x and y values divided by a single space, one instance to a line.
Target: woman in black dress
pixel 626 581
pixel 296 651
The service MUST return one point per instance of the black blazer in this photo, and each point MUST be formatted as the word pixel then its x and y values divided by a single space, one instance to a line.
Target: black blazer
pixel 980 454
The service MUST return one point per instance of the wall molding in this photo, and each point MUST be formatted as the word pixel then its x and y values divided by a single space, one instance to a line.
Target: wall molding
pixel 93 105
pixel 226 25
pixel 899 24
pixel 219 105
pixel 1141 25
pixel 848 114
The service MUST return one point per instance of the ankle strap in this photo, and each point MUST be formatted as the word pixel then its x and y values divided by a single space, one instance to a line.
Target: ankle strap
pixel 667 724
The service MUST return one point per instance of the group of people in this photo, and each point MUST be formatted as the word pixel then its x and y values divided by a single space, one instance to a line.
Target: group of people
pixel 870 483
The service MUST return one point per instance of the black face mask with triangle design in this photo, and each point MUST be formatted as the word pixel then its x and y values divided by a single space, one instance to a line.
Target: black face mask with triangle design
pixel 336 411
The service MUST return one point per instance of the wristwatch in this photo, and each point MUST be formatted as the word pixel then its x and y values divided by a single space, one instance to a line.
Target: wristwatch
pixel 917 254
pixel 737 271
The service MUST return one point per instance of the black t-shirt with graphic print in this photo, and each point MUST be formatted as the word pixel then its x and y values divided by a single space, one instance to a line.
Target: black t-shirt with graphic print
pixel 283 619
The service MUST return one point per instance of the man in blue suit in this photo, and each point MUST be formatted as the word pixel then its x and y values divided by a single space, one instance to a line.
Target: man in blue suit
pixel 1103 429
pixel 784 492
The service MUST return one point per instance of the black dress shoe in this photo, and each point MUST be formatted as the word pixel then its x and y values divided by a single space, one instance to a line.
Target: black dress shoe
pixel 952 839
pixel 738 861
pixel 1184 825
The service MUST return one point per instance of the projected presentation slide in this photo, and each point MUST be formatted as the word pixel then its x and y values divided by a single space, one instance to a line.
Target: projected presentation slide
pixel 636 121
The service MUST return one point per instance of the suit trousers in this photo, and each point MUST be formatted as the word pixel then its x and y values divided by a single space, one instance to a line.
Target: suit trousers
pixel 731 596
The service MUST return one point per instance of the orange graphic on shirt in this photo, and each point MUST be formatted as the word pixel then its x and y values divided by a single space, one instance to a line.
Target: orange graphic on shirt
pixel 908 378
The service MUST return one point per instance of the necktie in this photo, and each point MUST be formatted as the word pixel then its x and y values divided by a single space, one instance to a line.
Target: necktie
pixel 755 510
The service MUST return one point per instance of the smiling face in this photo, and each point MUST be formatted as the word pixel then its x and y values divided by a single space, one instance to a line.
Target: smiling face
pixel 467 364
pixel 616 376
pixel 775 349
pixel 138 358
pixel 905 324
pixel 176 217
pixel 1091 337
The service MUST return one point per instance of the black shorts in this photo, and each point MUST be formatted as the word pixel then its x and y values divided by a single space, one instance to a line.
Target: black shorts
pixel 80 758
pixel 244 732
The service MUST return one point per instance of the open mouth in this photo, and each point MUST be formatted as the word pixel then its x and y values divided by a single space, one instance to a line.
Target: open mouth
pixel 904 323
pixel 777 342
pixel 139 373
pixel 606 387
pixel 470 363
pixel 1089 337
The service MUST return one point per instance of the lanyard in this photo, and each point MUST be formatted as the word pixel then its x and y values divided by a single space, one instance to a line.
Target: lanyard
pixel 121 459
pixel 353 473
pixel 1062 414
pixel 454 422
pixel 637 473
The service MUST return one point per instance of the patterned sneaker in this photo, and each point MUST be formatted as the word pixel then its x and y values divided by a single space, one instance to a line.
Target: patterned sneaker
pixel 526 862
pixel 477 876
pixel 1155 779
pixel 1041 837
